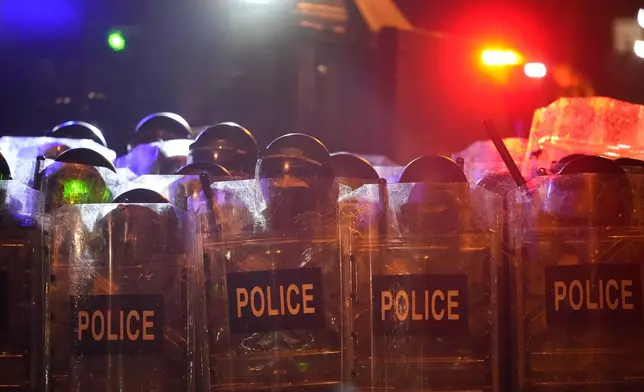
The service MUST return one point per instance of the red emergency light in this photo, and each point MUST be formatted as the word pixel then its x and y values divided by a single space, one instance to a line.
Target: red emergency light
pixel 493 57
pixel 535 70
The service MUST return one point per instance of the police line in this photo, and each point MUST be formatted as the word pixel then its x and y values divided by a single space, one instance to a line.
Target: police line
pixel 313 276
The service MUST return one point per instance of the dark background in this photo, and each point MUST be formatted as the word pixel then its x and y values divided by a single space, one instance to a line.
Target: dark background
pixel 55 64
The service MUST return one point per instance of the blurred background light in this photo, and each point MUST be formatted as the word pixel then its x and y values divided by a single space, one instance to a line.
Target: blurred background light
pixel 535 70
pixel 116 41
pixel 492 57
pixel 638 48
pixel 33 18
pixel 640 17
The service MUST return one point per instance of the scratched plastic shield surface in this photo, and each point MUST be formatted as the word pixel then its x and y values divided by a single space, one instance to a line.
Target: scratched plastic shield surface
pixel 20 288
pixel 163 157
pixel 390 173
pixel 273 293
pixel 22 170
pixel 31 147
pixel 71 183
pixel 482 158
pixel 577 244
pixel 423 265
pixel 125 299
pixel 180 190
pixel 594 126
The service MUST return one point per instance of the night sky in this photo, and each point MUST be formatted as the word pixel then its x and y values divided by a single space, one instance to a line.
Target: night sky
pixel 36 34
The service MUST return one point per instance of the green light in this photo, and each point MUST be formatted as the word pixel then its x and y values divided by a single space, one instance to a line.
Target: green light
pixel 76 192
pixel 303 366
pixel 82 192
pixel 116 41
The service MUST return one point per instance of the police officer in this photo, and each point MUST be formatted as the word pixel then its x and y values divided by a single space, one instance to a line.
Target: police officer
pixel 132 232
pixel 229 145
pixel 296 177
pixel 573 234
pixel 215 172
pixel 74 179
pixel 295 249
pixel 430 207
pixel 395 331
pixel 577 202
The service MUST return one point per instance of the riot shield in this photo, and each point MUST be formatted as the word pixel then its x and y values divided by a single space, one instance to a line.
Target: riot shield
pixel 274 288
pixel 591 125
pixel 125 299
pixel 163 157
pixel 423 260
pixel 71 183
pixel 390 173
pixel 352 170
pixel 481 158
pixel 49 147
pixel 178 189
pixel 22 171
pixel 577 292
pixel 228 145
pixel 21 333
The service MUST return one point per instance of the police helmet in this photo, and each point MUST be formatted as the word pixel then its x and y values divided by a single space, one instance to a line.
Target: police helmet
pixel 296 175
pixel 227 144
pixel 432 207
pixel 602 199
pixel 158 127
pixel 131 233
pixel 85 156
pixel 432 169
pixel 296 155
pixel 558 165
pixel 213 170
pixel 352 170
pixel 5 171
pixel 629 162
pixel 52 150
pixel 141 196
pixel 170 165
pixel 78 130
pixel 73 179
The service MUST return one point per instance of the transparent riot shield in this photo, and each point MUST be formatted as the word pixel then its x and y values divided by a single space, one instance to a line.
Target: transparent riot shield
pixel 125 299
pixel 163 157
pixel 390 173
pixel 71 183
pixel 21 333
pixel 577 283
pixel 22 170
pixel 180 190
pixel 274 288
pixel 423 293
pixel 50 147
